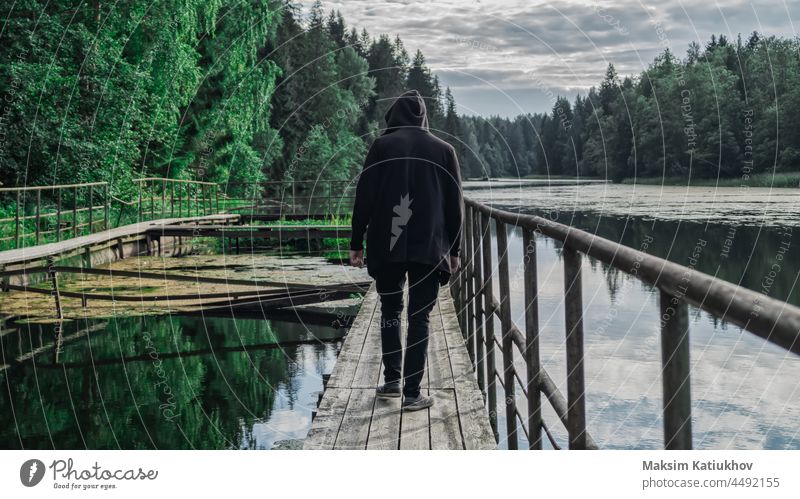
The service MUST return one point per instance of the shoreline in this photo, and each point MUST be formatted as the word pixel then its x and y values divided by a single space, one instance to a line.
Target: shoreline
pixel 775 181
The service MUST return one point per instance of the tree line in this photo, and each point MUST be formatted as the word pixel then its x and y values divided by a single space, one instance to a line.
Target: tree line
pixel 729 109
pixel 236 92
pixel 244 92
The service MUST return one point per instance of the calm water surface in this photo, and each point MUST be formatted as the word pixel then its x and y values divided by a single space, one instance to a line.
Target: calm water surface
pixel 189 382
pixel 744 390
pixel 166 382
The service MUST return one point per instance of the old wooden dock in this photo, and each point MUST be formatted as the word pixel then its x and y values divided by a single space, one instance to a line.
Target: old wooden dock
pixel 351 417
pixel 111 238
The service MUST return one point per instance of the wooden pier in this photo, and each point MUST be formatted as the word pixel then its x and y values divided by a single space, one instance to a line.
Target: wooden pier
pixel 482 361
pixel 111 238
pixel 351 417
pixel 307 231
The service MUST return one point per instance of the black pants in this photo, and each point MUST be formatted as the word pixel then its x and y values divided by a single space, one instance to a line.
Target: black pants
pixel 423 288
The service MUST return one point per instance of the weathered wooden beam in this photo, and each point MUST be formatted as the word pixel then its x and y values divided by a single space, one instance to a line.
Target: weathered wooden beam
pixel 53 276
pixel 477 274
pixel 507 342
pixel 675 372
pixel 38 221
pixel 91 209
pixel 531 353
pixel 251 294
pixel 573 320
pixel 16 219
pixel 469 275
pixel 253 231
pixel 559 403
pixel 58 216
pixel 488 322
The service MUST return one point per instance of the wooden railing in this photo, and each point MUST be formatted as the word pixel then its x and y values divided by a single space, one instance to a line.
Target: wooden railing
pixel 166 197
pixel 59 211
pixel 41 214
pixel 679 286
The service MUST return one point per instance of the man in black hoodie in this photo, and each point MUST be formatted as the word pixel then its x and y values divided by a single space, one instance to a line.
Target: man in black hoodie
pixel 409 202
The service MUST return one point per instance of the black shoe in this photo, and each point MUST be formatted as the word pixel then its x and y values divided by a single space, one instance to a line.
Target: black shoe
pixel 388 391
pixel 417 403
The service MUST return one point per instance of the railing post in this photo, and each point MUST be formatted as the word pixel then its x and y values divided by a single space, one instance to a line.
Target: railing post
pixel 180 201
pixel 532 363
pixel 75 211
pixel 16 220
pixel 216 195
pixel 573 319
pixel 505 321
pixel 58 214
pixel 163 196
pixel 152 196
pixel 675 372
pixel 461 310
pixel 172 199
pixel 141 187
pixel 488 294
pixel 106 207
pixel 91 209
pixel 469 304
pixel 38 212
pixel 478 299
pixel 51 273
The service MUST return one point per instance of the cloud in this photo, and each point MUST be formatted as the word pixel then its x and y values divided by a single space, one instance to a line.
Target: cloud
pixel 482 48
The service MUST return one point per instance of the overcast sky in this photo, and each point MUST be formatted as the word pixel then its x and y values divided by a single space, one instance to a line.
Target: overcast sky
pixel 513 56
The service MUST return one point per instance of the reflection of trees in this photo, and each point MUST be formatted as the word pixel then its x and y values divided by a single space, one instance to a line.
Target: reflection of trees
pixel 748 261
pixel 614 279
pixel 196 401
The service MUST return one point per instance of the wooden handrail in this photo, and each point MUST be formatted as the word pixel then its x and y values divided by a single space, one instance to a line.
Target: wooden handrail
pixel 679 286
pixel 89 204
pixel 772 319
pixel 50 187
pixel 52 214
pixel 172 180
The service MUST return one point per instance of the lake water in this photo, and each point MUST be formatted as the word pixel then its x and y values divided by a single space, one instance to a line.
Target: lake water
pixel 744 390
pixel 183 382
pixel 164 382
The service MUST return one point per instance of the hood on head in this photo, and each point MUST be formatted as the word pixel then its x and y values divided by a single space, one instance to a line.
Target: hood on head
pixel 408 110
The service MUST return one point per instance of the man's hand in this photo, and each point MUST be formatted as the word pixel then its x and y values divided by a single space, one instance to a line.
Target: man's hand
pixel 455 264
pixel 357 258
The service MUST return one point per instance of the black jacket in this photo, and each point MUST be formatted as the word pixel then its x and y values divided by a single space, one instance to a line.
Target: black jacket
pixel 408 197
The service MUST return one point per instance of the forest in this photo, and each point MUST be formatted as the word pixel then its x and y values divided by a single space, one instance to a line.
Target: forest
pixel 234 93
pixel 244 92
pixel 726 110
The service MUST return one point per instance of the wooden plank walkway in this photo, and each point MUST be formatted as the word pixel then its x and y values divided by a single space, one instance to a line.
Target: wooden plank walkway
pixel 33 253
pixel 252 231
pixel 351 417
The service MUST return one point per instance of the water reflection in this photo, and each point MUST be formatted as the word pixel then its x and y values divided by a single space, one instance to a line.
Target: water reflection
pixel 744 389
pixel 166 382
